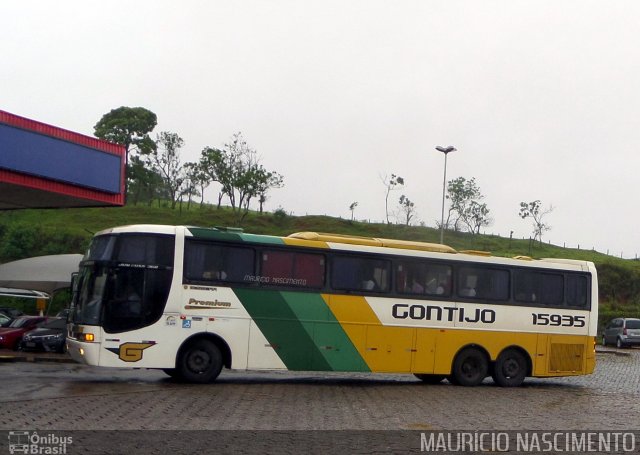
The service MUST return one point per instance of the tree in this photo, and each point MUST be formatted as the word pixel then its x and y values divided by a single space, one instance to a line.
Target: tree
pixel 144 184
pixel 191 183
pixel 165 158
pixel 391 184
pixel 465 197
pixel 238 170
pixel 198 180
pixel 213 164
pixel 408 208
pixel 534 211
pixel 265 180
pixel 352 207
pixel 128 126
pixel 476 216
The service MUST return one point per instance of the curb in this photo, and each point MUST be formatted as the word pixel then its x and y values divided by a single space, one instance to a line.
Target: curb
pixel 611 351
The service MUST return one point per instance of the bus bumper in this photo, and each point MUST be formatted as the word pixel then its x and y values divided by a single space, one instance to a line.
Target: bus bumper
pixel 84 352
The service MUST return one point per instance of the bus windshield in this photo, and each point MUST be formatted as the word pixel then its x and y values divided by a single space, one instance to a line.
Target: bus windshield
pixel 124 282
pixel 87 308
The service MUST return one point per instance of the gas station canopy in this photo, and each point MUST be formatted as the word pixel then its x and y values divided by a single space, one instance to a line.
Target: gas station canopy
pixel 42 166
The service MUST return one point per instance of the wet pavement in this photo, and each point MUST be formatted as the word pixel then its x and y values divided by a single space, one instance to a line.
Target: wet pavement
pixel 63 396
pixel 58 395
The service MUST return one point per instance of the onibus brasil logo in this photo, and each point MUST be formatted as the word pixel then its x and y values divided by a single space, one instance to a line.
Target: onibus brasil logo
pixel 30 442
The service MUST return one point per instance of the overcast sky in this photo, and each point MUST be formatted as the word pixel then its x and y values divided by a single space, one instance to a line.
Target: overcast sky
pixel 541 98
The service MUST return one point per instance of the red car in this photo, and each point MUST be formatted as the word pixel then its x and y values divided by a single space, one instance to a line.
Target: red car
pixel 11 336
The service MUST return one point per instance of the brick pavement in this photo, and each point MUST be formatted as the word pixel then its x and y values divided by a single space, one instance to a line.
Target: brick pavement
pixel 275 410
pixel 72 397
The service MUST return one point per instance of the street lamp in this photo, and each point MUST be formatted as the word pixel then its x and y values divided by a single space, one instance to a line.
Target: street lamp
pixel 446 151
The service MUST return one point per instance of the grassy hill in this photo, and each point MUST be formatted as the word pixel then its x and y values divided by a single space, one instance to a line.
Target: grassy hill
pixel 27 233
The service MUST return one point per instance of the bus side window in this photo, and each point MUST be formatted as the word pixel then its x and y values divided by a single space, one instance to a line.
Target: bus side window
pixel 483 283
pixel 360 274
pixel 210 262
pixel 577 291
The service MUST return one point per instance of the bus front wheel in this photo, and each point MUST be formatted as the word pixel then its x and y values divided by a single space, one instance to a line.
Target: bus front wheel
pixel 510 368
pixel 200 362
pixel 470 367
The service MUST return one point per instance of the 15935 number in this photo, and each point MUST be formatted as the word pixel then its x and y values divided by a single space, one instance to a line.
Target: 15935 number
pixel 564 320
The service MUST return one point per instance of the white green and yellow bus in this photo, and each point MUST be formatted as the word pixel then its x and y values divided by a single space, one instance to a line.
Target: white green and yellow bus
pixel 191 301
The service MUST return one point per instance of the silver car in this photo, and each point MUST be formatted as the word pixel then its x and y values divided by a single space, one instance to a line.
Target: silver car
pixel 622 332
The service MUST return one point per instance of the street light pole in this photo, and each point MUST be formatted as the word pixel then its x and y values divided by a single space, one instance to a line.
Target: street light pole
pixel 446 151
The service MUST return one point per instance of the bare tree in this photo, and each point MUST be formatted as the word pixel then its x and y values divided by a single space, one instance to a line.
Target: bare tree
pixel 408 208
pixel 395 182
pixel 534 211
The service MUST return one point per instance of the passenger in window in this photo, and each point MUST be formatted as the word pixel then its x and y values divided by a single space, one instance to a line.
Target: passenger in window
pixel 434 288
pixel 368 285
pixel 369 281
pixel 214 275
pixel 470 287
pixel 467 292
pixel 417 288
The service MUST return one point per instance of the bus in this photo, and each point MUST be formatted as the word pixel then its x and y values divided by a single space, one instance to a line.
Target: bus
pixel 192 300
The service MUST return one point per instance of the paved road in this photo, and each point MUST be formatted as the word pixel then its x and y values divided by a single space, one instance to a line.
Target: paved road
pixel 59 397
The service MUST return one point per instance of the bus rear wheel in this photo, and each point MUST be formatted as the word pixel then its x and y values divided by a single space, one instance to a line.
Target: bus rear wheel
pixel 430 378
pixel 470 367
pixel 510 368
pixel 200 362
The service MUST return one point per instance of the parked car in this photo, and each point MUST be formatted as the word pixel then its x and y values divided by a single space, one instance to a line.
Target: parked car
pixel 50 336
pixel 622 332
pixel 11 336
pixel 5 320
pixel 11 312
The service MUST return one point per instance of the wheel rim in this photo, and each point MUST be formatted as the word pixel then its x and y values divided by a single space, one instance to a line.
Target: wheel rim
pixel 511 368
pixel 470 368
pixel 199 361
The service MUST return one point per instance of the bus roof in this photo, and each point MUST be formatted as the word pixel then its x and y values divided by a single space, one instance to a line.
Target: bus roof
pixel 324 240
pixel 372 241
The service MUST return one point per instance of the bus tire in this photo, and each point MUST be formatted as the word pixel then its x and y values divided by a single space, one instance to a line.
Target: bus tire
pixel 510 368
pixel 430 378
pixel 470 367
pixel 199 362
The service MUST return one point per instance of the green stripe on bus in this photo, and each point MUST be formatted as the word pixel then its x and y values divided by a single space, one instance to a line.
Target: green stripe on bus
pixel 268 239
pixel 327 333
pixel 291 338
pixel 215 234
